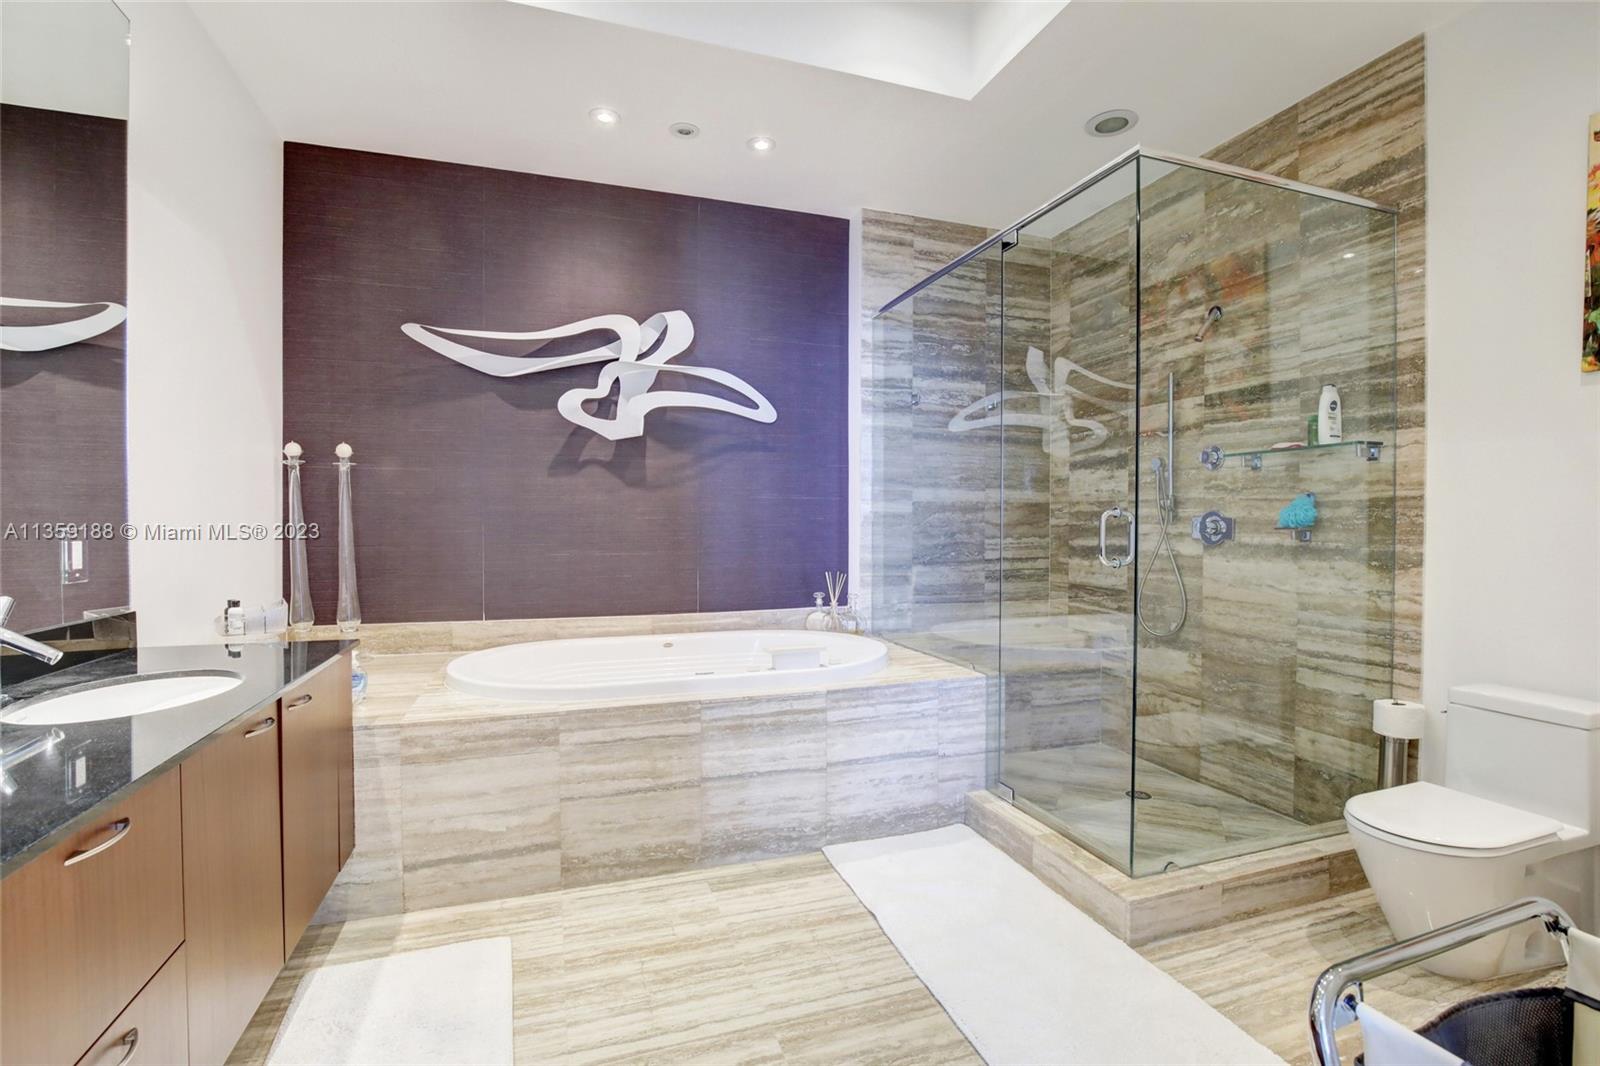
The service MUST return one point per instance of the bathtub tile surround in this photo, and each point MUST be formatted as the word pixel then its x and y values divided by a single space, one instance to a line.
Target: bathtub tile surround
pixel 450 835
pixel 462 799
pixel 476 498
pixel 630 790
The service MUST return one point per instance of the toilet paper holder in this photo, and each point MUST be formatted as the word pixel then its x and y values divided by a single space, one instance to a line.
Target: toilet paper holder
pixel 1398 723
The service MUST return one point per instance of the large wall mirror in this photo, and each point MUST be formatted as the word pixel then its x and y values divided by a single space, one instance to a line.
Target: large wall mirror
pixel 63 305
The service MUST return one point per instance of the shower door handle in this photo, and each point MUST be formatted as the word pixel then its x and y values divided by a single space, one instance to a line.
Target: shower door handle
pixel 1115 562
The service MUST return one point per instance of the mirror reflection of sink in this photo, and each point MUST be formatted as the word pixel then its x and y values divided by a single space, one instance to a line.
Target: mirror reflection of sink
pixel 122 698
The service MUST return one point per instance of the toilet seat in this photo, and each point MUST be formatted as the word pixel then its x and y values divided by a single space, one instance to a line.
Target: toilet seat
pixel 1428 817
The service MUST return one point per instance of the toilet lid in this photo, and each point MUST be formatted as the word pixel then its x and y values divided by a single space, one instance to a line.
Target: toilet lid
pixel 1431 814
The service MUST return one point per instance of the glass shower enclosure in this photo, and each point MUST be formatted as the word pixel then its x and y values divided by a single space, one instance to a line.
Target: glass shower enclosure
pixel 1133 459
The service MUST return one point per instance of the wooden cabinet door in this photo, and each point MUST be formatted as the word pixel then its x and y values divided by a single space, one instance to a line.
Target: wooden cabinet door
pixel 347 771
pixel 85 925
pixel 152 1029
pixel 314 720
pixel 232 882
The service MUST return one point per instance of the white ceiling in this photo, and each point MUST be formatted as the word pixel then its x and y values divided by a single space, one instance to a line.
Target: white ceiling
pixel 507 85
pixel 952 47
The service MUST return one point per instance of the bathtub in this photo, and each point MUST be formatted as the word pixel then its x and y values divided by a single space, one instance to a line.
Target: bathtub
pixel 666 665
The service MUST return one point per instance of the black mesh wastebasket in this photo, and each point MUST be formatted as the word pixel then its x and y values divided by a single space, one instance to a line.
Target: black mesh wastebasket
pixel 1528 1027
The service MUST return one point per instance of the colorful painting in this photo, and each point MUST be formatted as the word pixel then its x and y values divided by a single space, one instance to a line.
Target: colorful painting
pixel 1591 288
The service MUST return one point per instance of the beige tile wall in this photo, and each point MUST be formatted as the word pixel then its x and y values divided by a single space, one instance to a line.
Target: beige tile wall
pixel 461 799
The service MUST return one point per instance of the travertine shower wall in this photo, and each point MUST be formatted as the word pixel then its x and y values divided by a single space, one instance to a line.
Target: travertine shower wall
pixel 1364 135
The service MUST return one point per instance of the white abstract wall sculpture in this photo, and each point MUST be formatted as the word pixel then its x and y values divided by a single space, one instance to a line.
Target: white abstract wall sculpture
pixel 1054 419
pixel 57 334
pixel 628 367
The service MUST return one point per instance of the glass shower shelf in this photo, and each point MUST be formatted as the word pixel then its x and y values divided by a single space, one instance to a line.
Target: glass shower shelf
pixel 1213 457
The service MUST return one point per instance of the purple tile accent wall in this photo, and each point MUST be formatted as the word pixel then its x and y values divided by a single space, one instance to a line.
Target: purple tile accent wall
pixel 475 498
pixel 63 451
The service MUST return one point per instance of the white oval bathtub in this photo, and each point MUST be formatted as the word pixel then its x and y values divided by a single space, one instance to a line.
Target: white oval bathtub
pixel 666 664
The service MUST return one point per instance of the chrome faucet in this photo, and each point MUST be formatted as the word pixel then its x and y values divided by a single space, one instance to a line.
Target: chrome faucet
pixel 25 644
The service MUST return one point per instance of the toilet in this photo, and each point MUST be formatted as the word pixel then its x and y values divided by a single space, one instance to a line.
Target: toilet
pixel 1516 816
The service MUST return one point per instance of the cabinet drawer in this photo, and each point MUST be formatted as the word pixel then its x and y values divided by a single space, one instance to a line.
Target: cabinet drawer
pixel 154 1028
pixel 86 924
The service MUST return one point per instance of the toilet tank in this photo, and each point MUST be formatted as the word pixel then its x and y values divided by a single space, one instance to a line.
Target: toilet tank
pixel 1532 750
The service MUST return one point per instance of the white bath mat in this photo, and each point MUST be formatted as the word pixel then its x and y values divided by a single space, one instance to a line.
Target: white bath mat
pixel 1028 977
pixel 449 1004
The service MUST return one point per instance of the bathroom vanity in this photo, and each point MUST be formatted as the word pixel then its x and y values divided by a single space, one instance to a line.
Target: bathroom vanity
pixel 160 868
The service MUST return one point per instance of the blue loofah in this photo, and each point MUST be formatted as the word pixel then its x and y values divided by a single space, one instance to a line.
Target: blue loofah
pixel 1299 513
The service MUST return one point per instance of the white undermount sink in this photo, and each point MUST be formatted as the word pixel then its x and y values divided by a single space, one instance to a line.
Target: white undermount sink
pixel 120 699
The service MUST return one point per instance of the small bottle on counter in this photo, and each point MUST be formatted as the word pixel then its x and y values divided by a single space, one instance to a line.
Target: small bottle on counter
pixel 818 620
pixel 849 618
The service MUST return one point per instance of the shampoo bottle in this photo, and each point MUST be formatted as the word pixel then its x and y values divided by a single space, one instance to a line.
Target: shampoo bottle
pixel 1330 418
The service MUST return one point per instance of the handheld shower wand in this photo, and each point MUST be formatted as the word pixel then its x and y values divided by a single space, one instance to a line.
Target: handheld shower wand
pixel 1166 513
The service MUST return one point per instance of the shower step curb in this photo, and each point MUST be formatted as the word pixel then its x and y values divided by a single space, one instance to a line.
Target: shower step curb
pixel 1139 910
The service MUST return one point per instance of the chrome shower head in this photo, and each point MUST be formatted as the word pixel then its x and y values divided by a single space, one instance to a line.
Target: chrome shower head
pixel 1211 318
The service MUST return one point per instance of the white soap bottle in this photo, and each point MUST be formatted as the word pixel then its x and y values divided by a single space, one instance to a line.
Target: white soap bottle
pixel 1330 417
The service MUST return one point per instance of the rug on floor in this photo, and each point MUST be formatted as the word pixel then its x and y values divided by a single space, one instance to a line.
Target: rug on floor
pixel 443 1005
pixel 1028 977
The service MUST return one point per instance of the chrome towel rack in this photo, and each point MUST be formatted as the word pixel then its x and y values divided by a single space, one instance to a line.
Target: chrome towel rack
pixel 1332 1008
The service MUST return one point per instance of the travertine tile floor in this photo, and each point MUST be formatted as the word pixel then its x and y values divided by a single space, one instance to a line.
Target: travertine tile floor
pixel 1084 786
pixel 773 961
pixel 777 961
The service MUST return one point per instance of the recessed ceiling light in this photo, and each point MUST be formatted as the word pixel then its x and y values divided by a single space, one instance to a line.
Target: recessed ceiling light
pixel 762 144
pixel 1111 123
pixel 1349 255
pixel 605 116
pixel 684 130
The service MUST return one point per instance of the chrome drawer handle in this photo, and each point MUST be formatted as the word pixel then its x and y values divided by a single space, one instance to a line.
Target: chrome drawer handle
pixel 265 727
pixel 130 1040
pixel 120 827
pixel 299 700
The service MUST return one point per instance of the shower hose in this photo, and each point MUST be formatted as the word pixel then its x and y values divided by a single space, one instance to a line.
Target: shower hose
pixel 1165 511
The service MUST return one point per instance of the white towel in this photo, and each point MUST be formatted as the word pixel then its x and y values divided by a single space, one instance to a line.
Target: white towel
pixel 1388 1043
pixel 1583 977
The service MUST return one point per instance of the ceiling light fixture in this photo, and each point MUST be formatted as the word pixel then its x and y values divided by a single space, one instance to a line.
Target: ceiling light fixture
pixel 605 116
pixel 684 130
pixel 762 144
pixel 1111 123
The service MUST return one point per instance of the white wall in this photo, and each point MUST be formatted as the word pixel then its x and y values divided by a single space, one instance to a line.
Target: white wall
pixel 205 370
pixel 1511 567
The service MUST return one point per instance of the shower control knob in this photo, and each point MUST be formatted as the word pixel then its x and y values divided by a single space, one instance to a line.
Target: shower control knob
pixel 1211 528
pixel 1211 457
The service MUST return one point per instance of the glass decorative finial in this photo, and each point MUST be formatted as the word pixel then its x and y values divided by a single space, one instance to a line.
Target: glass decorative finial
pixel 349 612
pixel 301 617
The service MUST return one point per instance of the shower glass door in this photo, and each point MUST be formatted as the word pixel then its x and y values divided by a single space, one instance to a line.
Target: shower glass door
pixel 1069 421
pixel 1260 647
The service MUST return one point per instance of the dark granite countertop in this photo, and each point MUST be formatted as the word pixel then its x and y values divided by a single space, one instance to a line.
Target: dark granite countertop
pixel 112 757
